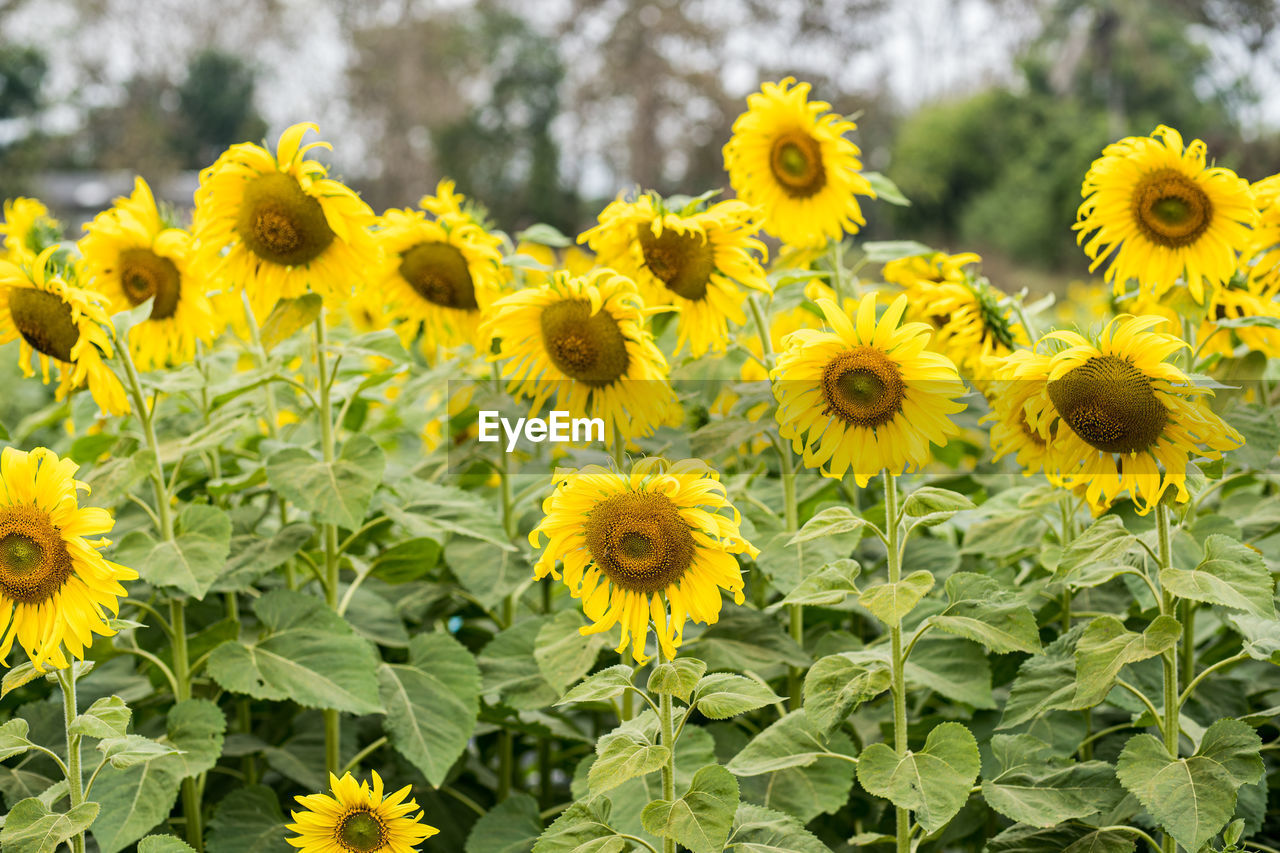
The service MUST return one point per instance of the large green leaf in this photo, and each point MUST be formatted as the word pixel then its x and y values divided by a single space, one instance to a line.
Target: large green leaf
pixel 1097 555
pixel 105 718
pixel 510 672
pixel 1072 837
pixel 512 826
pixel 129 750
pixel 760 830
pixel 253 556
pixel 957 669
pixel 30 827
pixel 13 738
pixel 563 654
pixel 602 686
pixel 193 561
pixel 790 742
pixel 934 782
pixel 624 753
pixel 677 677
pixel 981 610
pixel 701 819
pixel 831 521
pixel 306 653
pixel 248 820
pixel 1107 646
pixel 582 828
pixel 805 792
pixel 890 602
pixel 1031 788
pixel 1231 575
pixel 335 492
pixel 1192 798
pixel 1045 682
pixel 432 703
pixel 827 587
pixel 722 695
pixel 747 639
pixel 837 684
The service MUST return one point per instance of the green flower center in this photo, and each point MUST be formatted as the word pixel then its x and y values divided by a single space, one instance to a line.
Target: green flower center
pixel 640 541
pixel 280 223
pixel 439 274
pixel 863 387
pixel 44 321
pixel 1171 209
pixel 584 346
pixel 683 262
pixel 361 832
pixel 34 562
pixel 796 163
pixel 1110 404
pixel 144 274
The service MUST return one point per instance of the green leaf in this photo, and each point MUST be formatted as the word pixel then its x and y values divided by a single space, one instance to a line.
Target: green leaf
pixel 601 686
pixel 931 506
pixel 1097 555
pixel 722 695
pixel 254 556
pixel 827 587
pixel 701 819
pixel 760 830
pixel 1261 430
pixel 821 787
pixel 512 826
pixel 747 639
pixel 1107 646
pixel 957 669
pixel 434 510
pixel 890 602
pixel 13 738
pixel 407 561
pixel 334 493
pixel 544 234
pixel 509 670
pixel 1065 838
pixel 582 828
pixel 1045 682
pixel 1261 636
pixel 829 522
pixel 129 750
pixel 306 653
pixel 879 252
pixel 288 317
pixel 1030 788
pixel 248 820
pixel 676 678
pixel 1192 798
pixel 30 827
pixel 790 742
pixel 107 717
pixel 623 754
pixel 23 673
pixel 886 190
pixel 981 610
pixel 193 561
pixel 837 684
pixel 934 783
pixel 432 703
pixel 1231 575
pixel 163 844
pixel 563 653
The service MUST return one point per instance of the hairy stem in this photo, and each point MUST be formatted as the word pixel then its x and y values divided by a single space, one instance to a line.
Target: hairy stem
pixel 332 720
pixel 668 769
pixel 1169 659
pixel 898 659
pixel 75 777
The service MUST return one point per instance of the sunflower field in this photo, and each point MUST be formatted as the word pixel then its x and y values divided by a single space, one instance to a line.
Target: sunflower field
pixel 712 528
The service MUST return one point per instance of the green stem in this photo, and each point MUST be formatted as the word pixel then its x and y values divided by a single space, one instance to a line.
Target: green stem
pixel 795 677
pixel 668 769
pixel 1170 658
pixel 836 253
pixel 75 778
pixel 506 763
pixel 898 659
pixel 260 355
pixel 620 462
pixel 1187 615
pixel 332 721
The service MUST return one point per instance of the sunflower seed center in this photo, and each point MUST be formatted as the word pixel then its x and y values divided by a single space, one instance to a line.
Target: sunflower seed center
pixel 640 541
pixel 796 163
pixel 144 274
pixel 1171 209
pixel 588 347
pixel 1110 404
pixel 863 387
pixel 682 261
pixel 280 223
pixel 439 274
pixel 361 832
pixel 44 321
pixel 34 562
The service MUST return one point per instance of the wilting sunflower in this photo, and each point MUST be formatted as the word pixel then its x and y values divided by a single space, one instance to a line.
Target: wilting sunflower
pixel 652 545
pixel 1264 269
pixel 866 396
pixel 55 586
pixel 1121 417
pixel 62 323
pixel 1017 380
pixel 697 260
pixel 131 255
pixel 789 158
pixel 28 229
pixel 1159 213
pixel 276 225
pixel 584 341
pixel 439 273
pixel 358 819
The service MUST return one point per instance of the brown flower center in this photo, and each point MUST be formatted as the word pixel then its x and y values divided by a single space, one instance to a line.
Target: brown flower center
pixel 280 223
pixel 144 274
pixel 1110 404
pixel 439 274
pixel 361 832
pixel 588 347
pixel 1170 209
pixel 863 387
pixel 44 321
pixel 639 540
pixel 34 562
pixel 796 163
pixel 683 262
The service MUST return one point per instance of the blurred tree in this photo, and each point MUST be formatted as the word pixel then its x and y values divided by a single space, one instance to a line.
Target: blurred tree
pixel 215 108
pixel 22 75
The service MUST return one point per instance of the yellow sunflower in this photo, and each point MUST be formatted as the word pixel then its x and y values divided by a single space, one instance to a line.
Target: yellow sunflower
pixel 866 396
pixel 1159 213
pixel 358 819
pixel 130 256
pixel 276 225
pixel 936 268
pixel 55 586
pixel 1018 380
pixel 62 323
pixel 789 158
pixel 584 341
pixel 28 229
pixel 439 273
pixel 697 260
pixel 1120 417
pixel 1230 302
pixel 652 545
pixel 1264 271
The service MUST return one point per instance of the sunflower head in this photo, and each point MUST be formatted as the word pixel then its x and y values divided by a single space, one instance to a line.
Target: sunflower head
pixel 358 818
pixel 790 159
pixel 277 225
pixel 28 229
pixel 55 587
pixel 933 268
pixel 654 545
pixel 1264 252
pixel 1159 214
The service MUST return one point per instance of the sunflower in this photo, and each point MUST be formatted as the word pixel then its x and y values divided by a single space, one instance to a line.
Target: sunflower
pixel 697 260
pixel 1120 416
pixel 1231 302
pixel 62 323
pixel 439 272
pixel 1264 270
pixel 55 586
pixel 28 229
pixel 276 225
pixel 584 340
pixel 866 396
pixel 1018 381
pixel 935 267
pixel 131 255
pixel 789 158
pixel 1159 213
pixel 358 819
pixel 649 545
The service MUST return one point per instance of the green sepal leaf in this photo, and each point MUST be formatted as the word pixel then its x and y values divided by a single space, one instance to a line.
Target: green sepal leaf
pixel 1107 646
pixel 890 602
pixel 677 677
pixel 934 782
pixel 722 695
pixel 701 819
